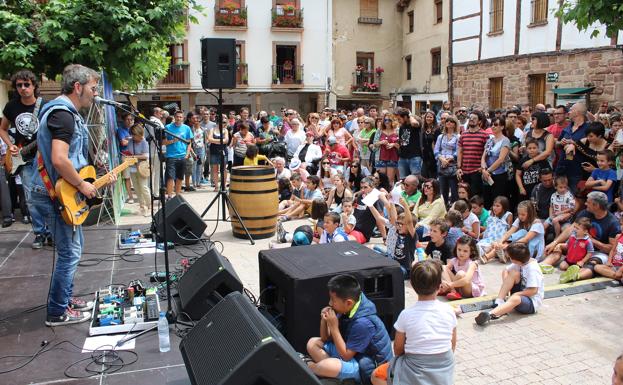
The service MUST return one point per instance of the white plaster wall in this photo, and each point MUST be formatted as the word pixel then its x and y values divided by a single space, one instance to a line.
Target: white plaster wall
pixel 464 7
pixel 502 44
pixel 572 38
pixel 314 43
pixel 466 27
pixel 541 38
pixel 466 50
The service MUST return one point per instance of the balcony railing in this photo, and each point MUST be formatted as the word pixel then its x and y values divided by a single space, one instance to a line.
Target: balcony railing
pixel 366 81
pixel 177 75
pixel 230 16
pixel 287 74
pixel 287 18
pixel 242 74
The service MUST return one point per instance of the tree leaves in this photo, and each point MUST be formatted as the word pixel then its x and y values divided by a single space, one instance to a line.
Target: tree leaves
pixel 126 38
pixel 586 13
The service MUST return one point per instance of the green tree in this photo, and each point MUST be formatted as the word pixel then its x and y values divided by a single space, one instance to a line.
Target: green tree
pixel 128 39
pixel 585 13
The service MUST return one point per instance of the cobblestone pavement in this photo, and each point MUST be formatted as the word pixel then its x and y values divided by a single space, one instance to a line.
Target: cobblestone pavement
pixel 572 340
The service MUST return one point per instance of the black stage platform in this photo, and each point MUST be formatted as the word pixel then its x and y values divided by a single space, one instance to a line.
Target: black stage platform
pixel 24 282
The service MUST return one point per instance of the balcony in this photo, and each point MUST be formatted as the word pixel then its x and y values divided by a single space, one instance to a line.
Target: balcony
pixel 242 75
pixel 366 83
pixel 177 77
pixel 229 16
pixel 287 19
pixel 287 76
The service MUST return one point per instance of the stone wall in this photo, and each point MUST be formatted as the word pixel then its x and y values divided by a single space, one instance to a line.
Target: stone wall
pixel 601 68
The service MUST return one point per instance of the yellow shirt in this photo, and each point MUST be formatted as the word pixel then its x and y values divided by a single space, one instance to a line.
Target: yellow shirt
pixel 254 161
pixel 427 211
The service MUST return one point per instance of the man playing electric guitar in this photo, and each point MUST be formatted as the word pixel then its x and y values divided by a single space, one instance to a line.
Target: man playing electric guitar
pixel 22 118
pixel 63 141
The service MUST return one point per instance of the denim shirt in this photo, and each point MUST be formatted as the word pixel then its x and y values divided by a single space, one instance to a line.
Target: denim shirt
pixel 447 147
pixel 493 149
pixel 78 148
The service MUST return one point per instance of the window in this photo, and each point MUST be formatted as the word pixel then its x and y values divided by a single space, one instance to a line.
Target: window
pixel 536 89
pixel 411 21
pixel 496 16
pixel 496 92
pixel 241 65
pixel 369 9
pixel 435 55
pixel 366 60
pixel 539 12
pixel 408 63
pixel 176 52
pixel 439 10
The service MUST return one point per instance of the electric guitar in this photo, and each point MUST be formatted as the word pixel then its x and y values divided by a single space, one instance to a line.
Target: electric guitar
pixel 75 206
pixel 12 163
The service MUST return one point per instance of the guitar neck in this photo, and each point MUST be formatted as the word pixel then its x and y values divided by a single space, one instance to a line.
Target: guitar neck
pixel 104 179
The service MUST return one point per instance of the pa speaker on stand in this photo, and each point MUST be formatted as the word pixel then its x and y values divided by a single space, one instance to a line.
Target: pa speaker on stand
pixel 184 225
pixel 218 63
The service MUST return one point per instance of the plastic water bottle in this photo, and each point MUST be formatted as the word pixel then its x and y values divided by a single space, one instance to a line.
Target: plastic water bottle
pixel 163 333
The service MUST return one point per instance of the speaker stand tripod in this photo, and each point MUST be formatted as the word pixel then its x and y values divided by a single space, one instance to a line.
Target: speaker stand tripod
pixel 222 192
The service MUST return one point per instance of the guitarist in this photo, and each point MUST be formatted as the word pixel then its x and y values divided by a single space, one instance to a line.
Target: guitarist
pixel 63 150
pixel 22 118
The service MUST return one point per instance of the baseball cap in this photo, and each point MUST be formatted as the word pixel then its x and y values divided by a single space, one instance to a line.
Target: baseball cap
pixel 332 140
pixel 300 239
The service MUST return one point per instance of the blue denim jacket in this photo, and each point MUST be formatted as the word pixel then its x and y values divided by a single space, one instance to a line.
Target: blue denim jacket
pixel 78 148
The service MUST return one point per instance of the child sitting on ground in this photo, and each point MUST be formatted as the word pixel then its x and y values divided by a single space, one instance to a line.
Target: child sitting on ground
pixel 332 231
pixel 603 178
pixel 437 247
pixel 455 222
pixel 562 205
pixel 348 221
pixel 498 223
pixel 353 339
pixel 302 205
pixel 471 224
pixel 613 269
pixel 527 229
pixel 522 280
pixel 478 208
pixel 254 159
pixel 425 335
pixel 296 190
pixel 401 234
pixel 461 276
pixel 578 250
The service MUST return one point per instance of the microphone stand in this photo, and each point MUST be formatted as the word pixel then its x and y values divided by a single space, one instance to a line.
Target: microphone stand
pixel 156 139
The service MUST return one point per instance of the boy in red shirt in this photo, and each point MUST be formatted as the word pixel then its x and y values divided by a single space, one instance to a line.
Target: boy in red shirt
pixel 578 250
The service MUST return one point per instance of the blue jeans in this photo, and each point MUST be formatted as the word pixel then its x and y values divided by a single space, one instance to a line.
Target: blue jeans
pixel 38 223
pixel 198 166
pixel 410 166
pixel 68 251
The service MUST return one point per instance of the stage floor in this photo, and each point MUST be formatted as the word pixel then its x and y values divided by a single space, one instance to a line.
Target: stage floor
pixel 24 281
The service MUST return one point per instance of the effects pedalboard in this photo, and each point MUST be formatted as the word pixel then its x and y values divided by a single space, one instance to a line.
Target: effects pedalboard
pixel 121 309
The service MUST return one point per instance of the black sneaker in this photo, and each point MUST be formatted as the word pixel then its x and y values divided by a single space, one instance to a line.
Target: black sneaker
pixel 483 318
pixel 6 222
pixel 38 242
pixel 80 304
pixel 26 219
pixel 49 240
pixel 68 318
pixel 191 188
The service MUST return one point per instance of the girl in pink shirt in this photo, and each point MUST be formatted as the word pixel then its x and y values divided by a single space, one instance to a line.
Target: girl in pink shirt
pixel 461 276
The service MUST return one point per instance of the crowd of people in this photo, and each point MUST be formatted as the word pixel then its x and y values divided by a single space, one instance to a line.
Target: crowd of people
pixel 533 187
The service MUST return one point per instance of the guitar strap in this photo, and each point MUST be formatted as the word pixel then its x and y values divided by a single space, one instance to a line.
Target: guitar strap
pixel 47 182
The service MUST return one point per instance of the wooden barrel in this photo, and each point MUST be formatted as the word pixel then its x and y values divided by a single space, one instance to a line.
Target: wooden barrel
pixel 253 190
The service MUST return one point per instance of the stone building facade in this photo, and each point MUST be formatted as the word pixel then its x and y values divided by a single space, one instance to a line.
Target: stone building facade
pixel 601 68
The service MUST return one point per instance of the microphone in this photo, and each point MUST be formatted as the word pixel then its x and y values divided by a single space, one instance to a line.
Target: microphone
pixel 116 92
pixel 113 103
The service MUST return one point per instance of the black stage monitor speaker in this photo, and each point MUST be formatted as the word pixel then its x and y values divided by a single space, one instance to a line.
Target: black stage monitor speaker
pixel 218 63
pixel 293 284
pixel 205 284
pixel 184 225
pixel 234 344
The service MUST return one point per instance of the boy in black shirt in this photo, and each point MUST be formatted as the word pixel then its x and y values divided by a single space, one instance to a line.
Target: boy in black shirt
pixel 437 248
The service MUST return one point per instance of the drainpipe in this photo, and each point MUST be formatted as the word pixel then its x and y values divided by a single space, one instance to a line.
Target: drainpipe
pixel 450 93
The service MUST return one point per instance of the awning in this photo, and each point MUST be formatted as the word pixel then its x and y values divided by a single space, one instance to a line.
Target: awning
pixel 573 91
